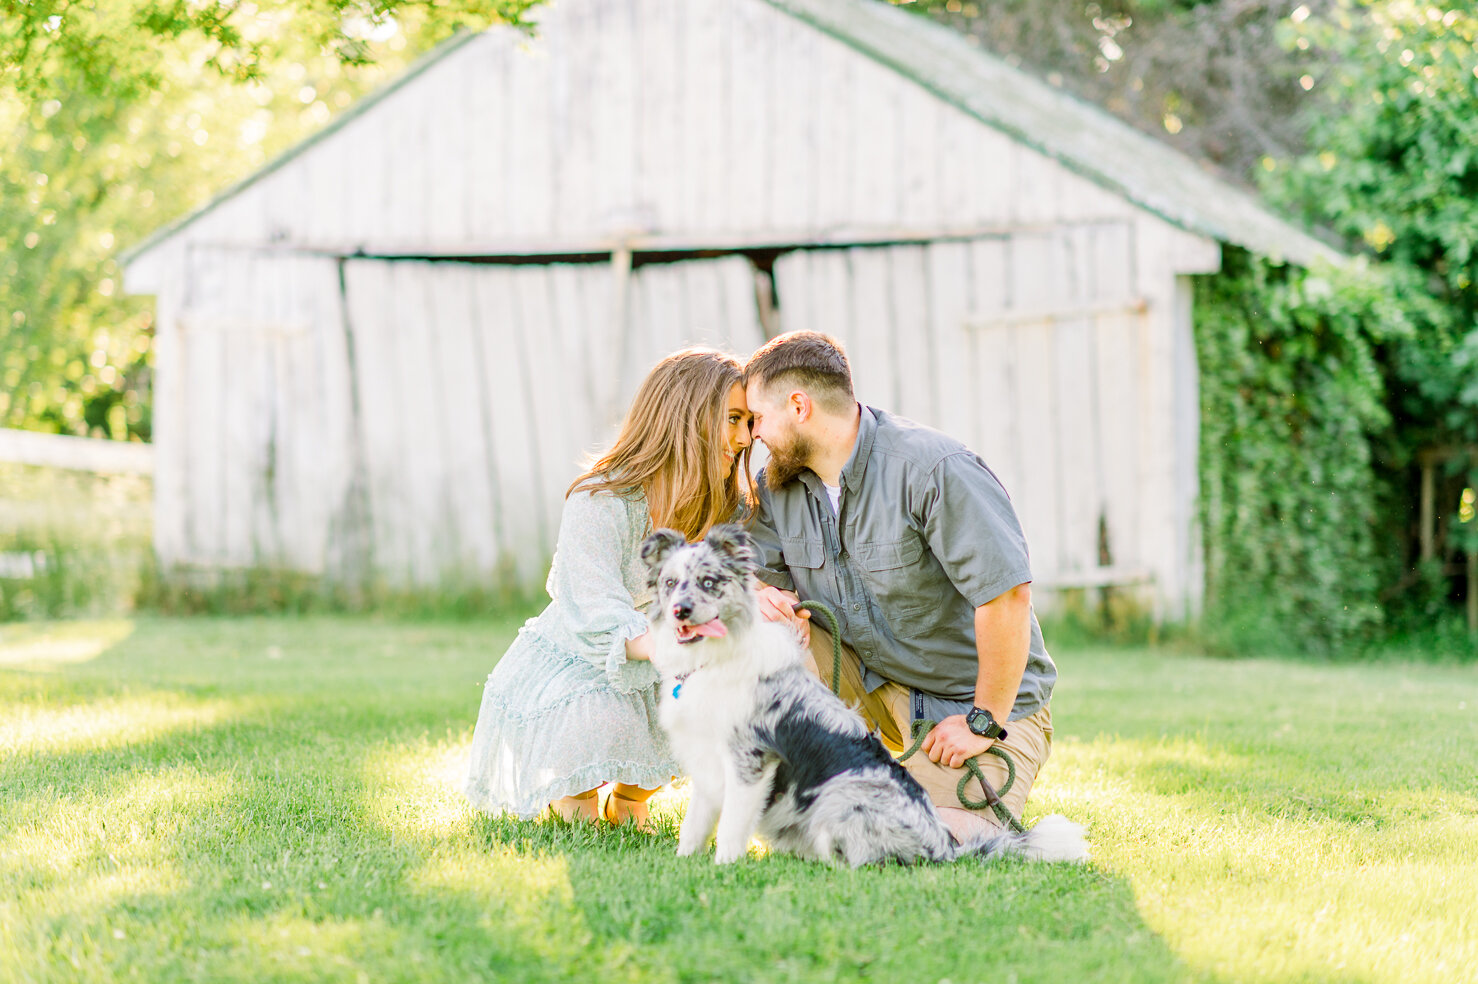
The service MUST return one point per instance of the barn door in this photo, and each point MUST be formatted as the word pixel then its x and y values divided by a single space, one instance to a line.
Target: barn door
pixel 1030 348
pixel 253 412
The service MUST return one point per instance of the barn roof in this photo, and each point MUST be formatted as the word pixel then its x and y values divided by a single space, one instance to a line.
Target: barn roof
pixel 1083 137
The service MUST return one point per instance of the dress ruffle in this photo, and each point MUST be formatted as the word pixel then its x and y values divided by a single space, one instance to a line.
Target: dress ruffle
pixel 552 725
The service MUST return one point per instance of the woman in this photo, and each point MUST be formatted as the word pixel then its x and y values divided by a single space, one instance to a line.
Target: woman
pixel 573 703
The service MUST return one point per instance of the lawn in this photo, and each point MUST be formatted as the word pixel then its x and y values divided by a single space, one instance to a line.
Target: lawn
pixel 274 799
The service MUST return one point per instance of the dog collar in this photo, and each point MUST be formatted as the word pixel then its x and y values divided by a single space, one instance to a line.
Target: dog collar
pixel 682 678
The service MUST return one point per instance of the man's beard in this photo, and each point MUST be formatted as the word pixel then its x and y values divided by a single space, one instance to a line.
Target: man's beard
pixel 787 461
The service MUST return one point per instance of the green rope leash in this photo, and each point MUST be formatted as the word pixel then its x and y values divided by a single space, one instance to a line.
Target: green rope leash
pixel 922 728
pixel 830 616
pixel 992 798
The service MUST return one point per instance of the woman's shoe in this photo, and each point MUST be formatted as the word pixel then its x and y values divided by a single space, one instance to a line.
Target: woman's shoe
pixel 635 810
pixel 582 806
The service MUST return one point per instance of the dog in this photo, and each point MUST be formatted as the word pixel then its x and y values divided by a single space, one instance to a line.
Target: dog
pixel 767 747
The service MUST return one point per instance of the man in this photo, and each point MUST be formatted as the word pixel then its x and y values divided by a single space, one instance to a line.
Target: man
pixel 913 542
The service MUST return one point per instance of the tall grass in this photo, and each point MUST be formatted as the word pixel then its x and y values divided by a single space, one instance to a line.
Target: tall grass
pixel 71 543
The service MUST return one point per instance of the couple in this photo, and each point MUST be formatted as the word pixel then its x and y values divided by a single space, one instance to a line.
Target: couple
pixel 902 531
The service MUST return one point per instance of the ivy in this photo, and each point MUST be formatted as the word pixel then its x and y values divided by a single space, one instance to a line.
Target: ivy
pixel 1293 410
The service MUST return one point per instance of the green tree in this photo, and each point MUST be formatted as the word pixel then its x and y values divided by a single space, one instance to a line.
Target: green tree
pixel 1206 76
pixel 117 118
pixel 1394 167
pixel 1321 389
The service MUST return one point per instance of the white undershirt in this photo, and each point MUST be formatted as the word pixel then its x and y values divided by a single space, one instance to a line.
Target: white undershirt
pixel 834 493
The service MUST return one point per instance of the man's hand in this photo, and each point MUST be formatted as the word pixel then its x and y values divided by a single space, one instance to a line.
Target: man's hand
pixel 952 742
pixel 778 605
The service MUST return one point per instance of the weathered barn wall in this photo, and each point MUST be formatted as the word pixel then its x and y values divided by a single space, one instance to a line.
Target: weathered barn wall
pixel 420 420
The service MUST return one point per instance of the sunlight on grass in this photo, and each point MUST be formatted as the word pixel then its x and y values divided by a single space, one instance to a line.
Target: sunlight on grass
pixel 111 723
pixel 59 643
pixel 298 947
pixel 108 830
pixel 418 790
pixel 1291 897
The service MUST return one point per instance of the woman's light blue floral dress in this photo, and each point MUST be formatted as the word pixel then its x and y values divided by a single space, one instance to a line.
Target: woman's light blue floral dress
pixel 564 711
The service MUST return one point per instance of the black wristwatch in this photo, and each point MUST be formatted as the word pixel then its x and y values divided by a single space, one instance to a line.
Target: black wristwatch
pixel 984 724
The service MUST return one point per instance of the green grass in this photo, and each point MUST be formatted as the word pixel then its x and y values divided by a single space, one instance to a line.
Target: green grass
pixel 273 799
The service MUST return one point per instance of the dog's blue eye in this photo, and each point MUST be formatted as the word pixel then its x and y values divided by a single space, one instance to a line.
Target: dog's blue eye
pixel 669 582
pixel 708 583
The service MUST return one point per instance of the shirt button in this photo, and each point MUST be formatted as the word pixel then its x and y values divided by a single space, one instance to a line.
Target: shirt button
pixel 856 608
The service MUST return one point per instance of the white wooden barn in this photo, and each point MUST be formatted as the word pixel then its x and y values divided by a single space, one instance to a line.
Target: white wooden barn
pixel 384 354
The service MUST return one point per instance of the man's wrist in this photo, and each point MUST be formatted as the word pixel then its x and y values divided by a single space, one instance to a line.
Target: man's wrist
pixel 982 722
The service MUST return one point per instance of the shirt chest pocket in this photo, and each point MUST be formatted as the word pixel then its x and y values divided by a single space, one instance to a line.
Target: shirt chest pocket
pixel 894 571
pixel 802 551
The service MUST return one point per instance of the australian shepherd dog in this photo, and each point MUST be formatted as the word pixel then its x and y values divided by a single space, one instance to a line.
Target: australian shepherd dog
pixel 768 749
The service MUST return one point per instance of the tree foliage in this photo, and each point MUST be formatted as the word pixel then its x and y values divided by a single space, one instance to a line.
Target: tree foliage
pixel 117 118
pixel 1206 76
pixel 1394 167
pixel 1320 389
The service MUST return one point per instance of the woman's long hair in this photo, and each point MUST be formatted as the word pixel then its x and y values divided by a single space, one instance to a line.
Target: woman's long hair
pixel 670 446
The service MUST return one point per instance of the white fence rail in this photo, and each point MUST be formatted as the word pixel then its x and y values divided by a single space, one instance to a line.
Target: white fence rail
pixel 78 453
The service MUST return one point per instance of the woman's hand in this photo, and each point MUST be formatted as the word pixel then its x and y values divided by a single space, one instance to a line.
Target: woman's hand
pixel 641 647
pixel 778 605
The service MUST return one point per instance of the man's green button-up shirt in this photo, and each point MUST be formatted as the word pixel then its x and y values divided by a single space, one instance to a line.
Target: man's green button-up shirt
pixel 924 534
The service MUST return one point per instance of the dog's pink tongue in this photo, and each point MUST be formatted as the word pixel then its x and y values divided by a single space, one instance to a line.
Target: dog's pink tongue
pixel 714 628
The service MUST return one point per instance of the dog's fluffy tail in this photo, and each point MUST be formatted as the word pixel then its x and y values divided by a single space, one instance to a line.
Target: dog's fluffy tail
pixel 1054 838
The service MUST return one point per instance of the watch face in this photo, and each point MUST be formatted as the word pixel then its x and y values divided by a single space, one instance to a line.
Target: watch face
pixel 979 721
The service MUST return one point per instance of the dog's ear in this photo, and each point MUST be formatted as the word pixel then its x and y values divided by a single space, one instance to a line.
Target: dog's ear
pixel 734 545
pixel 655 549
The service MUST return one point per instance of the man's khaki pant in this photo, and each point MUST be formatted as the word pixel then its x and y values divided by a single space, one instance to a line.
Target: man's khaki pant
pixel 889 710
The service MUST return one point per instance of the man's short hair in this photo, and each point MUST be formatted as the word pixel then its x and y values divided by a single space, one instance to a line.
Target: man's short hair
pixel 805 360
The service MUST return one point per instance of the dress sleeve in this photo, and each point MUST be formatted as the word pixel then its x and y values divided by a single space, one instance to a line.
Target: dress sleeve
pixel 596 543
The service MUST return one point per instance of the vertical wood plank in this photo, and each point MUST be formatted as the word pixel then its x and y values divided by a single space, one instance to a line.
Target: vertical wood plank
pixel 831 132
pixel 750 141
pixel 869 332
pixel 919 169
pixel 444 160
pixel 658 97
pixel 368 298
pixel 529 188
pixel 951 373
pixel 704 124
pixel 490 142
pixel 472 554
pixel 170 423
pixel 557 443
pixel 511 406
pixel 612 106
pixel 994 413
pixel 794 87
pixel 878 142
pixel 913 334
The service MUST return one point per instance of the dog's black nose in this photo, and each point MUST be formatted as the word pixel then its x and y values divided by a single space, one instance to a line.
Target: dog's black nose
pixel 681 610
